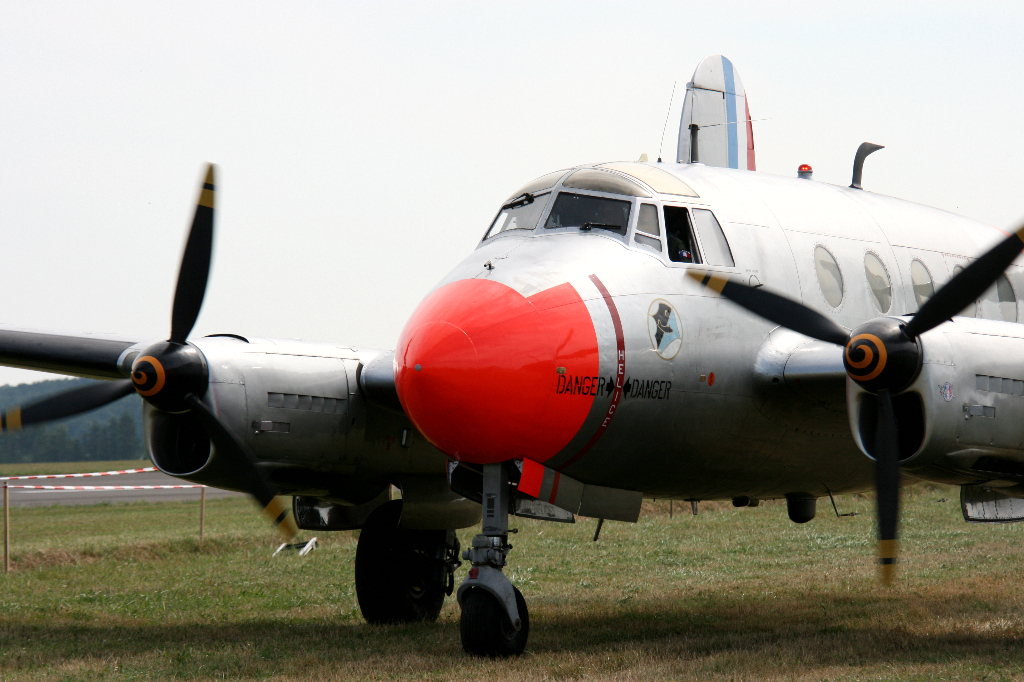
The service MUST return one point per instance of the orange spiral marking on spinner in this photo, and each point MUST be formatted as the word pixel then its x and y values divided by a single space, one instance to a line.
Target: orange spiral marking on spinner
pixel 161 376
pixel 868 356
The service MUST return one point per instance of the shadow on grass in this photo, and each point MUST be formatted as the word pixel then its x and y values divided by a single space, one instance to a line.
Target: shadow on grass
pixel 797 634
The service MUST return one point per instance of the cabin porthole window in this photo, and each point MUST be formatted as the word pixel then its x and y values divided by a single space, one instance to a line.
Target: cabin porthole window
pixel 999 302
pixel 878 282
pixel 830 279
pixel 924 288
pixel 1004 300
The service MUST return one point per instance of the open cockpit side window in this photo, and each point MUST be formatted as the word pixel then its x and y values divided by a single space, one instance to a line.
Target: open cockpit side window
pixel 682 247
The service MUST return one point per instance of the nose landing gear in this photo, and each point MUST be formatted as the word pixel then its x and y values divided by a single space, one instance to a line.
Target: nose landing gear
pixel 495 621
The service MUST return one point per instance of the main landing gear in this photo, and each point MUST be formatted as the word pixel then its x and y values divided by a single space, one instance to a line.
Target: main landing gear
pixel 494 621
pixel 403 575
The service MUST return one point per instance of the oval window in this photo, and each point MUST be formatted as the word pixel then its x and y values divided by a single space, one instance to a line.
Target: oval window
pixel 922 280
pixel 999 302
pixel 878 282
pixel 1007 299
pixel 829 278
pixel 972 309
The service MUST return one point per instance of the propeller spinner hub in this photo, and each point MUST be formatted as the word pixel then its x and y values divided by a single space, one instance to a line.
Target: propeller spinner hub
pixel 164 373
pixel 881 356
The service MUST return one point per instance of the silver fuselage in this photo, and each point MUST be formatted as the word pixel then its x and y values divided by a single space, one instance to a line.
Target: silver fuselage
pixel 758 430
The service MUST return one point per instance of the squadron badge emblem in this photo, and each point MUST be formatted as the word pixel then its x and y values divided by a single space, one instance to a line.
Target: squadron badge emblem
pixel 666 332
pixel 946 390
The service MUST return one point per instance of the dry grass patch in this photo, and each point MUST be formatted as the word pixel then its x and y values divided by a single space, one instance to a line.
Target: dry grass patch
pixel 121 554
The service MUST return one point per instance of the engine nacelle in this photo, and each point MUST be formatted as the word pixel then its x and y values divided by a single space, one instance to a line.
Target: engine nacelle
pixel 962 420
pixel 179 446
pixel 288 402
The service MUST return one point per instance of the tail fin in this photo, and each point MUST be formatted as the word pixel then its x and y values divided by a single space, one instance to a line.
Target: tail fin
pixel 717 103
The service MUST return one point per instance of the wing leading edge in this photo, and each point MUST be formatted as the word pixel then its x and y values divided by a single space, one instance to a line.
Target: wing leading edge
pixel 91 356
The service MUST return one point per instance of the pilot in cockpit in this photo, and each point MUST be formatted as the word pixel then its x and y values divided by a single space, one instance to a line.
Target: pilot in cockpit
pixel 678 250
pixel 680 235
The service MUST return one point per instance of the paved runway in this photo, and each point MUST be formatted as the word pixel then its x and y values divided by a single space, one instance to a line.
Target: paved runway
pixel 41 498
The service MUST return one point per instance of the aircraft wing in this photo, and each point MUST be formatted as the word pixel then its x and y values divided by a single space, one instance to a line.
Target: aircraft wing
pixel 815 370
pixel 94 356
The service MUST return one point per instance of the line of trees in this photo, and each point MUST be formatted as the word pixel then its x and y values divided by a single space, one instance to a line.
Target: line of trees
pixel 111 432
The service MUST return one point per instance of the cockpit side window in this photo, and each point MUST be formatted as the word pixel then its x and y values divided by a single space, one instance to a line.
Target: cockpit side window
pixel 682 247
pixel 712 239
pixel 521 213
pixel 589 212
pixel 648 229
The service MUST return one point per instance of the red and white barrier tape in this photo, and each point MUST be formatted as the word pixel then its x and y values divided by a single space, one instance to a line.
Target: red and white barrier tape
pixel 95 473
pixel 104 487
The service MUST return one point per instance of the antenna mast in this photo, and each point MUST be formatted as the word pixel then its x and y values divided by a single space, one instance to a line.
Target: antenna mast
pixel 667 114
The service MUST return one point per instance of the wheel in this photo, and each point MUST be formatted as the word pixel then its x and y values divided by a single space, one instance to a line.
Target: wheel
pixel 400 574
pixel 486 629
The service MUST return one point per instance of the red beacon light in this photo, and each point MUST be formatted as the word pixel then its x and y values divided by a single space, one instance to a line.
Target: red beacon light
pixel 804 171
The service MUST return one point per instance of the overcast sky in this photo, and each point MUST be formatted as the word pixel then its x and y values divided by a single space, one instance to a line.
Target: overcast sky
pixel 364 147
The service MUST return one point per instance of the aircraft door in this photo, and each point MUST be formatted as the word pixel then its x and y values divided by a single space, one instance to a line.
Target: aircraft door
pixel 720 379
pixel 695 239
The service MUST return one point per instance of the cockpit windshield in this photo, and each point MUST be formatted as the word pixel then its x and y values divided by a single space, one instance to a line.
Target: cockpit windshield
pixel 589 212
pixel 519 213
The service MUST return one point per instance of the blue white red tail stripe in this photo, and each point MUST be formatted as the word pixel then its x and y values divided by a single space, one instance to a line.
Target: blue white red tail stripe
pixel 732 123
pixel 717 104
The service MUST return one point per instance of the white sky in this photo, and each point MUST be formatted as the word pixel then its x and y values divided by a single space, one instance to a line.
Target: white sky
pixel 364 147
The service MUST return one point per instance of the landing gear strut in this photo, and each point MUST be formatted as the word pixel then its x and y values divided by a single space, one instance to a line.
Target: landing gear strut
pixel 403 575
pixel 494 620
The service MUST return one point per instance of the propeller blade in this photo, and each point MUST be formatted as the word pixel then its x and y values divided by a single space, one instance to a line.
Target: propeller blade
pixel 967 286
pixel 775 308
pixel 66 404
pixel 887 485
pixel 195 264
pixel 249 477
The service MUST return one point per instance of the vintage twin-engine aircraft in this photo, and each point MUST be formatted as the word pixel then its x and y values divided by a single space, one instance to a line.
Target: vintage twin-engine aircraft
pixel 584 356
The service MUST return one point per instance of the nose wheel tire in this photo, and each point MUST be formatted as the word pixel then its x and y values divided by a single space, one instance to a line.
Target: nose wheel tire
pixel 486 629
pixel 401 575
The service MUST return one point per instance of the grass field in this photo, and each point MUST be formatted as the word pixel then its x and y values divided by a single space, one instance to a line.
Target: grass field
pixel 125 592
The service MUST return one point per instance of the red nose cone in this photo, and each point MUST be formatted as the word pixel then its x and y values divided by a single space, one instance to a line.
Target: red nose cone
pixel 482 370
